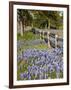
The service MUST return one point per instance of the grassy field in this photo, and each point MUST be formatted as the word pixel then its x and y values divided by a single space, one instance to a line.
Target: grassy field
pixel 22 65
pixel 27 36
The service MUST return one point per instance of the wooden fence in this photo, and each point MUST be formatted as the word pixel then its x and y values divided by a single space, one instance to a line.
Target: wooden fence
pixel 48 35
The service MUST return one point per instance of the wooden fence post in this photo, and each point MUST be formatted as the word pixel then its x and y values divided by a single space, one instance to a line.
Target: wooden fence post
pixel 56 36
pixel 40 34
pixel 48 39
pixel 43 35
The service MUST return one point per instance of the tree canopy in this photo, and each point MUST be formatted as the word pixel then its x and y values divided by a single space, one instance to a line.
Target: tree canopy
pixel 40 18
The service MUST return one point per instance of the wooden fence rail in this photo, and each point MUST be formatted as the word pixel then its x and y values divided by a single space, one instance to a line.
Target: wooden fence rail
pixel 49 35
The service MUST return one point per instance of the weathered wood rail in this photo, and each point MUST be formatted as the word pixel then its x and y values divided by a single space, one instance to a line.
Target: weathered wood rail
pixel 53 40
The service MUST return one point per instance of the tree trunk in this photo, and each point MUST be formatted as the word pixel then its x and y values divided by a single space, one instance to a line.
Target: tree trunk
pixel 46 26
pixel 49 24
pixel 32 25
pixel 21 27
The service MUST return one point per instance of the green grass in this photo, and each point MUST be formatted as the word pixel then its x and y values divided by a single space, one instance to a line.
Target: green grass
pixel 22 70
pixel 39 47
pixel 27 36
pixel 30 36
pixel 52 75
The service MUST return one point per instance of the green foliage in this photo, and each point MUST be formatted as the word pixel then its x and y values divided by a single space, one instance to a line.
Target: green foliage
pixel 41 18
pixel 23 15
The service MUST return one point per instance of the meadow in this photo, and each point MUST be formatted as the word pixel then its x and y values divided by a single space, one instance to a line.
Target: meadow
pixel 35 60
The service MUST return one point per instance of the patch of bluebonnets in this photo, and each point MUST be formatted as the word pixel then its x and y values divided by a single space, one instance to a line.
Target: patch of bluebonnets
pixel 41 63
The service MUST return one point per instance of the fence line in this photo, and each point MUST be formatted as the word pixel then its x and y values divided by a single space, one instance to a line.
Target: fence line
pixel 48 34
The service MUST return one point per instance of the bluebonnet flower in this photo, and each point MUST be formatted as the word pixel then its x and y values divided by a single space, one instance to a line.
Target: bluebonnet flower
pixel 42 62
pixel 23 75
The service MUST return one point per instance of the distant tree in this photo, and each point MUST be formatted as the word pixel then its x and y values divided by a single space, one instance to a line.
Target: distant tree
pixel 24 17
pixel 47 19
pixel 53 18
pixel 39 19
